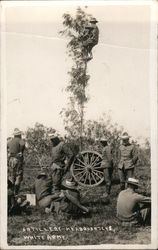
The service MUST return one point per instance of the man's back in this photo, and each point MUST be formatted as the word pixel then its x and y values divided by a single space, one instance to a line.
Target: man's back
pixel 43 187
pixel 58 155
pixel 128 204
pixel 107 154
pixel 15 146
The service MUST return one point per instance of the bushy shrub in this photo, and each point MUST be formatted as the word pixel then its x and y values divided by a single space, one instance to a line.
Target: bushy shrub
pixel 37 152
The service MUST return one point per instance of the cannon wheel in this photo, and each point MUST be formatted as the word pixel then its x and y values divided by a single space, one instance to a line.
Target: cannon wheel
pixel 87 170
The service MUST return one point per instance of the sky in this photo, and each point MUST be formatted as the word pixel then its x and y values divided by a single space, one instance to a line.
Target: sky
pixel 37 66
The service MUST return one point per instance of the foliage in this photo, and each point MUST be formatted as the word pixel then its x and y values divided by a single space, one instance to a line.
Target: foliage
pixel 144 153
pixel 38 145
pixel 75 124
pixel 38 142
pixel 74 114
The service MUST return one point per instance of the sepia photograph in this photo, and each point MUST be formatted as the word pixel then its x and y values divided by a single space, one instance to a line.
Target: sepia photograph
pixel 78 125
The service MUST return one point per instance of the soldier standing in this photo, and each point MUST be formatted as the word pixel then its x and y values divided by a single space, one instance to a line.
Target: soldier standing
pixel 15 148
pixel 107 164
pixel 62 158
pixel 128 157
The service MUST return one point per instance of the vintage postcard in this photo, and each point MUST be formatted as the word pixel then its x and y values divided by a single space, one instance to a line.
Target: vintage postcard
pixel 78 125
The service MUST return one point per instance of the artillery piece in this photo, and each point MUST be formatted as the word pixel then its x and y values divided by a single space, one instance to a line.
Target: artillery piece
pixel 86 169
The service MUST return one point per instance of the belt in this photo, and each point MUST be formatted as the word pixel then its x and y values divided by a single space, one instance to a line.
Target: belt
pixel 18 155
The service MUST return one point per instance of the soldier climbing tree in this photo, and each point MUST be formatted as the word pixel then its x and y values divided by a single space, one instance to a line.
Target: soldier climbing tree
pixel 74 113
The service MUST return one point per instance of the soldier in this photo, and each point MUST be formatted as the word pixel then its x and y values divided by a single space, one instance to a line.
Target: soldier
pixel 43 189
pixel 15 148
pixel 107 164
pixel 62 158
pixel 133 208
pixel 90 37
pixel 69 201
pixel 128 157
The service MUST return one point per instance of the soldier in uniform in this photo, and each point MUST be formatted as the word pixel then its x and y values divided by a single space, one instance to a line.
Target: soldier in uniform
pixel 90 37
pixel 128 157
pixel 43 189
pixel 15 148
pixel 107 164
pixel 62 158
pixel 133 208
pixel 68 202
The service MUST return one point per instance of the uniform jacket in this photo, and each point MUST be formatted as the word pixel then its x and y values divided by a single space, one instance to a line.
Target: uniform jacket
pixel 91 34
pixel 95 34
pixel 70 204
pixel 60 153
pixel 127 156
pixel 128 204
pixel 15 161
pixel 42 187
pixel 107 157
pixel 15 146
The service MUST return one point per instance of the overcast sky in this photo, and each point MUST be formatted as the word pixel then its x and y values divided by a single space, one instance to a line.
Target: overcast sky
pixel 37 66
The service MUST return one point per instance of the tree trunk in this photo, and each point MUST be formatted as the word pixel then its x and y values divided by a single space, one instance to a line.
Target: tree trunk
pixel 82 112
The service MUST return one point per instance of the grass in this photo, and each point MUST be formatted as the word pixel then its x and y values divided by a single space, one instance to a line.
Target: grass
pixel 102 227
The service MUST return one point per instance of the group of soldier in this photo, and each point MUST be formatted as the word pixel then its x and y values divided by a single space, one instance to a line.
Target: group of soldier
pixel 53 192
pixel 56 190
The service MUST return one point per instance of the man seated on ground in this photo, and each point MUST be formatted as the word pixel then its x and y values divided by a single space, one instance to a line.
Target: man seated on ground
pixel 42 188
pixel 133 208
pixel 69 201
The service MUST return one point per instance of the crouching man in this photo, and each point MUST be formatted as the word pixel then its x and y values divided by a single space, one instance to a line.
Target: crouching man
pixel 133 208
pixel 42 188
pixel 68 202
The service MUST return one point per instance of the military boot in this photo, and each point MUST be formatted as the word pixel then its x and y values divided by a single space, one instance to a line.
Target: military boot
pixel 16 189
pixel 108 188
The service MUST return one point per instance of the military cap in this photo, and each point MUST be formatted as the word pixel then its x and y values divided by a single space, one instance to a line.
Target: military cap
pixel 42 172
pixel 51 135
pixel 93 20
pixel 133 181
pixel 68 183
pixel 104 139
pixel 124 136
pixel 17 132
pixel 54 137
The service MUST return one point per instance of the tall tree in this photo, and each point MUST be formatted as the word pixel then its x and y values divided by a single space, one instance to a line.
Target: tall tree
pixel 74 113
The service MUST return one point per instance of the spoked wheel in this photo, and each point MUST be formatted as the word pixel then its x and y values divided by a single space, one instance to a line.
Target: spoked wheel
pixel 87 170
